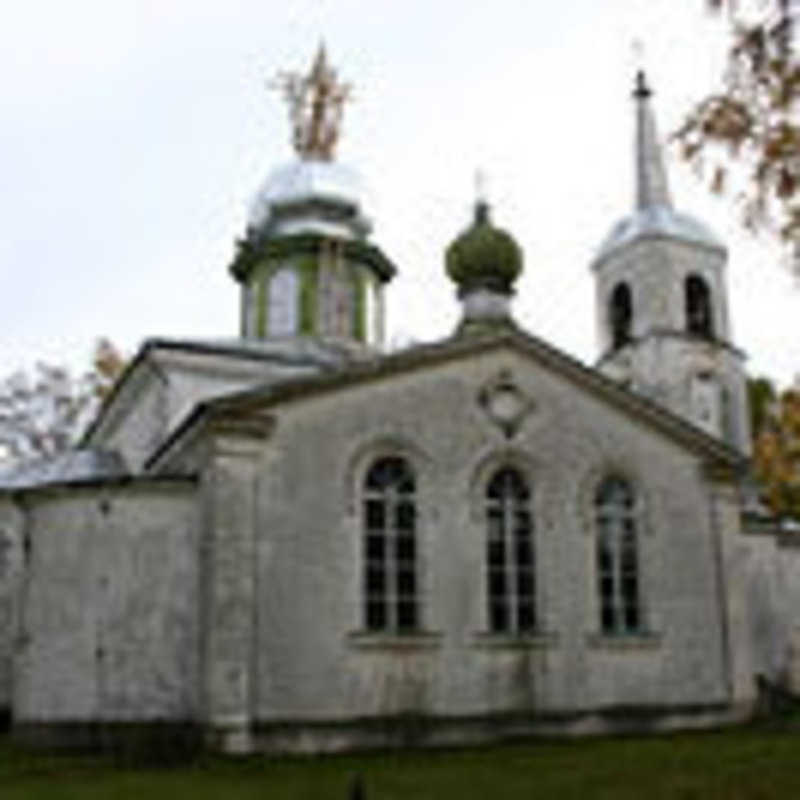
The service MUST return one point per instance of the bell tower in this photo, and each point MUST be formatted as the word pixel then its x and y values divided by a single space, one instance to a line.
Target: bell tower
pixel 662 314
pixel 305 266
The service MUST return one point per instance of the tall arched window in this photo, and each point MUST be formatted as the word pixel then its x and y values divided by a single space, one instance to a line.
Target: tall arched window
pixel 617 557
pixel 699 316
pixel 391 600
pixel 510 554
pixel 621 315
pixel 282 316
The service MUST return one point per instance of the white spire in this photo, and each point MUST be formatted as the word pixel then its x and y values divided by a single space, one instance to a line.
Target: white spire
pixel 651 178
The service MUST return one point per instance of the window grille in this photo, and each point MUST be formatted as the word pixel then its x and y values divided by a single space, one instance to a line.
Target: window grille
pixel 510 554
pixel 282 315
pixel 391 599
pixel 617 557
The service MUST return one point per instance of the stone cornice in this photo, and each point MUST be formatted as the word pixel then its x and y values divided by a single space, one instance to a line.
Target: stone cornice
pixel 672 333
pixel 251 252
pixel 425 356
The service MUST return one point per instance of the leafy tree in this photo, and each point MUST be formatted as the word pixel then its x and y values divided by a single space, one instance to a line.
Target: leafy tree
pixel 761 397
pixel 750 128
pixel 43 412
pixel 776 450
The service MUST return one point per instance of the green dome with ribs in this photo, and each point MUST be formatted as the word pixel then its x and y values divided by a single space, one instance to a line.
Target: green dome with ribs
pixel 484 257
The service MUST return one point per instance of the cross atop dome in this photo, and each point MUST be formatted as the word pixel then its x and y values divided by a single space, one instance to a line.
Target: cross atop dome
pixel 642 90
pixel 316 103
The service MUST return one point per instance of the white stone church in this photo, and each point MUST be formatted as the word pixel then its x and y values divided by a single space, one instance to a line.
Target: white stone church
pixel 292 541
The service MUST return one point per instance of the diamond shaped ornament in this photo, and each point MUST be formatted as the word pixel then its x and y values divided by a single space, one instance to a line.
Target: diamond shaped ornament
pixel 505 404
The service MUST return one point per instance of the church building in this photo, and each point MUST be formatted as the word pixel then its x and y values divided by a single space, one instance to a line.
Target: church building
pixel 293 541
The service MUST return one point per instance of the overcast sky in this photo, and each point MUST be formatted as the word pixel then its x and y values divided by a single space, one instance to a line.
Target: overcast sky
pixel 134 134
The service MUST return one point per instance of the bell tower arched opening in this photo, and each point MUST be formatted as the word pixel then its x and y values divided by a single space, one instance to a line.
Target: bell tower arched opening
pixel 620 315
pixel 699 316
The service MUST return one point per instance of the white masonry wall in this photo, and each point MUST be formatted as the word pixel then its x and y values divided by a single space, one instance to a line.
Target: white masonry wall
pixel 315 662
pixel 12 525
pixel 664 362
pixel 773 592
pixel 109 623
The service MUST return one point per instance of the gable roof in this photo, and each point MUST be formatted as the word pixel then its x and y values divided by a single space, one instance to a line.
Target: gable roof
pixel 304 352
pixel 453 348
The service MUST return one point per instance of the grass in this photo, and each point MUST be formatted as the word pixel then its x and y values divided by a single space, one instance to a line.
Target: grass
pixel 741 764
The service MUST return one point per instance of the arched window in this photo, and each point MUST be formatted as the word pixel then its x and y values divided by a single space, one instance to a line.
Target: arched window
pixel 510 554
pixel 621 315
pixel 390 548
pixel 282 316
pixel 699 317
pixel 617 557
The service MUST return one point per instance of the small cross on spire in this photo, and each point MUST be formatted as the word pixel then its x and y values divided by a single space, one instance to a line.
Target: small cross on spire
pixel 642 90
pixel 481 196
pixel 480 186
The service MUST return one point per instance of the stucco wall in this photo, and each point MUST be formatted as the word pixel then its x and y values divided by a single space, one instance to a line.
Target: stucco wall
pixel 166 386
pixel 109 623
pixel 137 419
pixel 663 362
pixel 773 592
pixel 655 270
pixel 310 660
pixel 11 559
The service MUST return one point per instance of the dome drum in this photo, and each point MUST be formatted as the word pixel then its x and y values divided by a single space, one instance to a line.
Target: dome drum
pixel 313 215
pixel 252 252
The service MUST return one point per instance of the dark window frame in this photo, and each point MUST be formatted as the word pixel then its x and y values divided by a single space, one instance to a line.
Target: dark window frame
pixel 620 312
pixel 699 307
pixel 617 557
pixel 390 570
pixel 510 554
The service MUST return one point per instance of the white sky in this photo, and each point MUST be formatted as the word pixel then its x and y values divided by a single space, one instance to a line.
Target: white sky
pixel 134 133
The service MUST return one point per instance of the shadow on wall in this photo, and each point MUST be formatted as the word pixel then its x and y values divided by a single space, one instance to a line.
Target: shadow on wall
pixel 775 701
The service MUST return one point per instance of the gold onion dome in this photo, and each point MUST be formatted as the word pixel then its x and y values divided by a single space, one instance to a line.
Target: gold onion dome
pixel 484 257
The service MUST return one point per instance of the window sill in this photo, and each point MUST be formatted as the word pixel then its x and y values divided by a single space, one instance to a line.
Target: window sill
pixel 388 640
pixel 514 641
pixel 641 640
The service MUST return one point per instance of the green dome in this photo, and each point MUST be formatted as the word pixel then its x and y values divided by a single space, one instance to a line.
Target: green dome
pixel 483 257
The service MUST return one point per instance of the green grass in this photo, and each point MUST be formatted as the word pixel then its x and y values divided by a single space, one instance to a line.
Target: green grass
pixel 743 764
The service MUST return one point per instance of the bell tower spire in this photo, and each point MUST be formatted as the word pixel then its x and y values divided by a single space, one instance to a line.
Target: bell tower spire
pixel 662 303
pixel 652 189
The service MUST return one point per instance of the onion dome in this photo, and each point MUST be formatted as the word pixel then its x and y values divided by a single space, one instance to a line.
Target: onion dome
pixel 324 197
pixel 484 257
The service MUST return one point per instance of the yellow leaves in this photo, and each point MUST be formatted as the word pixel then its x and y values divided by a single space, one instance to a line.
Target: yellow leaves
pixel 751 127
pixel 776 455
pixel 726 119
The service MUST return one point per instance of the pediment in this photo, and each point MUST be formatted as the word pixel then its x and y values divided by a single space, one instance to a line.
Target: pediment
pixel 500 395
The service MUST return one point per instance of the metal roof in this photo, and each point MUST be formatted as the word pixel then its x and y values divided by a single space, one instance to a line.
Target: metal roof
pixel 655 221
pixel 85 465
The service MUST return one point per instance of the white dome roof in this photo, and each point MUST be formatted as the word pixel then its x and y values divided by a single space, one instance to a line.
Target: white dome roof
pixel 306 180
pixel 658 221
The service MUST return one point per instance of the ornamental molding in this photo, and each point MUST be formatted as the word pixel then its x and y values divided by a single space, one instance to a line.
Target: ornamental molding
pixel 505 405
